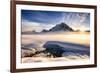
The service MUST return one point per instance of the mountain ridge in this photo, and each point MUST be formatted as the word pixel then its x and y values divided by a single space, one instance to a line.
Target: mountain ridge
pixel 57 28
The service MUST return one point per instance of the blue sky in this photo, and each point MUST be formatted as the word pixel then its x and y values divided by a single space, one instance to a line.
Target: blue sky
pixel 39 20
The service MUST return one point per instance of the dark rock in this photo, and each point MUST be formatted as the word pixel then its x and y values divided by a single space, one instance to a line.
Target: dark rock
pixel 31 50
pixel 27 53
pixel 87 31
pixel 44 30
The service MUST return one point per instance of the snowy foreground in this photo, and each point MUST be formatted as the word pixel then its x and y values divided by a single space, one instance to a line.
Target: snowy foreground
pixel 63 46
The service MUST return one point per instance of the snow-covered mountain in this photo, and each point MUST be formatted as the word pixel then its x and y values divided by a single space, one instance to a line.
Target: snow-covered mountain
pixel 61 27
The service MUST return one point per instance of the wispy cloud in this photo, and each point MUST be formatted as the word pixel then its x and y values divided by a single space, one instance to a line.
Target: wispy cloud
pixel 39 20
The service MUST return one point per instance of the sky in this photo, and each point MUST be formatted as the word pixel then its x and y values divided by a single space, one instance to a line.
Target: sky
pixel 38 20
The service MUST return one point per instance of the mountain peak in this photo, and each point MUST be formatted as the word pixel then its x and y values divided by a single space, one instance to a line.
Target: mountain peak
pixel 61 27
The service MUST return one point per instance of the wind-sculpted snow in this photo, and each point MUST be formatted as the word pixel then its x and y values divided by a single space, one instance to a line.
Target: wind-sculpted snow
pixel 57 48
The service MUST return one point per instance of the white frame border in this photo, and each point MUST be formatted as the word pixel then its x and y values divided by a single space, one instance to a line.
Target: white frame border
pixel 20 65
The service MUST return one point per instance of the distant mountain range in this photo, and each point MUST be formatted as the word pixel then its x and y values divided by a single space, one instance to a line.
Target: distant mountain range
pixel 59 27
pixel 29 32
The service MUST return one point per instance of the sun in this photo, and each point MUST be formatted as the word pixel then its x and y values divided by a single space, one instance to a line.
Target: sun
pixel 82 30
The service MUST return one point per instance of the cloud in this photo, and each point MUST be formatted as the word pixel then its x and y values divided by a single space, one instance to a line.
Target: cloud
pixel 81 27
pixel 83 16
pixel 30 26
